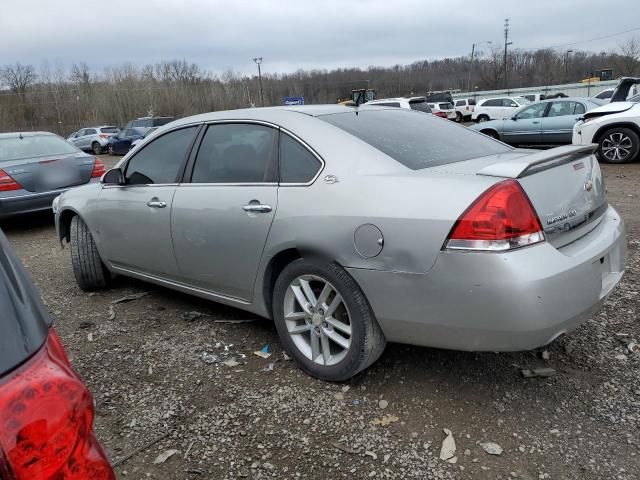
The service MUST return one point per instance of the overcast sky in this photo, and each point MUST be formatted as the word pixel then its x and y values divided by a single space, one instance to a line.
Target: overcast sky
pixel 292 34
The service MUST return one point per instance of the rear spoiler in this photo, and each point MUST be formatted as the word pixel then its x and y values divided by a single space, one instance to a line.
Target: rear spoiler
pixel 543 160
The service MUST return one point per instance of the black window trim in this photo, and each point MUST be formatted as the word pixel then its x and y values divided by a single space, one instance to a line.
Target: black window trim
pixel 181 170
pixel 188 173
pixel 307 147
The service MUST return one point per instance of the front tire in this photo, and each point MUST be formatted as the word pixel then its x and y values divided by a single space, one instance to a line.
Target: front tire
pixel 324 321
pixel 96 148
pixel 90 272
pixel 618 145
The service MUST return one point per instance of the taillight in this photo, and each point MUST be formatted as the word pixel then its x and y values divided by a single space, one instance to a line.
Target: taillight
pixel 104 135
pixel 98 168
pixel 7 183
pixel 502 218
pixel 46 418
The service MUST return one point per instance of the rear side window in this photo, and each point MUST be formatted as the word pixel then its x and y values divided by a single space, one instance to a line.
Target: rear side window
pixel 109 129
pixel 387 104
pixel 297 164
pixel 495 102
pixel 236 153
pixel 414 140
pixel 446 106
pixel 161 160
pixel 90 131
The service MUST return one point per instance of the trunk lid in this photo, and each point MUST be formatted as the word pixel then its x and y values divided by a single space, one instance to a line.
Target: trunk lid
pixel 52 172
pixel 565 186
pixel 24 322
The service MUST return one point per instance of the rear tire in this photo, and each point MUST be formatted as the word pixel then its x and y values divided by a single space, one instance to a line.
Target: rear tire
pixel 491 133
pixel 618 145
pixel 483 118
pixel 459 117
pixel 365 339
pixel 90 272
pixel 96 148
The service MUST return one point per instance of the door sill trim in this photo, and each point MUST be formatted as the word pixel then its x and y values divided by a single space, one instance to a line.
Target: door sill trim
pixel 183 287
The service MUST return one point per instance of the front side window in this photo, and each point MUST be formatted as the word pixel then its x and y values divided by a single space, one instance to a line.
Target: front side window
pixel 533 111
pixel 297 164
pixel 507 102
pixel 415 140
pixel 161 160
pixel 90 131
pixel 236 153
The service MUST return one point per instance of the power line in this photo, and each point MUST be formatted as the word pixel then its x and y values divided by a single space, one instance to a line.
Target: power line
pixel 604 37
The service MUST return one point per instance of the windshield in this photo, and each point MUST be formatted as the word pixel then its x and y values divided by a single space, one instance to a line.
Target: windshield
pixel 420 105
pixel 17 148
pixel 415 139
pixel 634 99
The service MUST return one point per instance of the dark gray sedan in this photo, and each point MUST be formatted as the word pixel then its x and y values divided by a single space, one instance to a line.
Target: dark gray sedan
pixel 36 167
pixel 544 123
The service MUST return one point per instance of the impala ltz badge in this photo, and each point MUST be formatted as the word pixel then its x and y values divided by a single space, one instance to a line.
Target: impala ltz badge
pixel 561 217
pixel 588 185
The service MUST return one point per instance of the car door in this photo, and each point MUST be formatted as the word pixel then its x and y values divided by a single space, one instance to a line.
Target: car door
pixel 525 126
pixel 508 106
pixel 221 217
pixel 77 138
pixel 557 125
pixel 134 219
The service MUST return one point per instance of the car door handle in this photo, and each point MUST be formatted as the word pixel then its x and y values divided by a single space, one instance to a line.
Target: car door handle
pixel 535 122
pixel 155 203
pixel 257 208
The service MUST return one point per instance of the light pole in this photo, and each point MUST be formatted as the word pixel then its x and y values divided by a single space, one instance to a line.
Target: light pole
pixel 566 61
pixel 258 61
pixel 473 51
pixel 506 44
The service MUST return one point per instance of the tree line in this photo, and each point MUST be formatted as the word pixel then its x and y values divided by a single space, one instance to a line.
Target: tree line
pixel 62 99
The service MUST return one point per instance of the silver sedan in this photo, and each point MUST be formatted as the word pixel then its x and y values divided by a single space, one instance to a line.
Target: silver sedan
pixel 350 228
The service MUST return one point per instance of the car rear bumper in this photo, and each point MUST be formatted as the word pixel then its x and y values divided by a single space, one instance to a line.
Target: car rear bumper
pixel 500 302
pixel 29 202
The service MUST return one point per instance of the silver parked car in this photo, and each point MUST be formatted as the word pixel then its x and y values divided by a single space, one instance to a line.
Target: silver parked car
pixel 93 139
pixel 350 228
pixel 36 167
pixel 544 123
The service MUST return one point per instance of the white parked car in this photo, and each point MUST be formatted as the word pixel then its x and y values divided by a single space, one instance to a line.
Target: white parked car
pixel 410 103
pixel 497 108
pixel 464 109
pixel 615 126
pixel 608 93
pixel 443 110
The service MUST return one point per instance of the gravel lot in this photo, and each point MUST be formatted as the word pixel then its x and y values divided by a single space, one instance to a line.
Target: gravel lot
pixel 147 365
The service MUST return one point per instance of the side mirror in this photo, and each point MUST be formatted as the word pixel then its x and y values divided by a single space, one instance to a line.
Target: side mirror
pixel 514 118
pixel 113 177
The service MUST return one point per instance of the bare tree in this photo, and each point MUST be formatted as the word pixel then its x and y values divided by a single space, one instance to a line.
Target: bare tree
pixel 18 77
pixel 629 58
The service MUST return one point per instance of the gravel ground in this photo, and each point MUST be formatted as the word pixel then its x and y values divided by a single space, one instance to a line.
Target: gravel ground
pixel 156 391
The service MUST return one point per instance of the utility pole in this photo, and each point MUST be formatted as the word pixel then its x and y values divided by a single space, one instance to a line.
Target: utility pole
pixel 566 61
pixel 473 50
pixel 258 61
pixel 506 44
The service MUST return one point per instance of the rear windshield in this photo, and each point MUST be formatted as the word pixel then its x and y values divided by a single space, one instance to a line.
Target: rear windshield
pixel 415 139
pixel 158 122
pixel 16 148
pixel 109 129
pixel 446 106
pixel 420 105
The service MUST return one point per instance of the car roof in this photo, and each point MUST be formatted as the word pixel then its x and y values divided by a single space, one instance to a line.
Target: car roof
pixel 25 134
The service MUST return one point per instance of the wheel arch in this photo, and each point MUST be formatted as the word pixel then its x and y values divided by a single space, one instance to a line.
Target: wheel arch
pixel 491 132
pixel 277 264
pixel 623 124
pixel 64 224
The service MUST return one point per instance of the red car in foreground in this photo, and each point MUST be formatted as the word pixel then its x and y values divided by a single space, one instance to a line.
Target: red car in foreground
pixel 46 411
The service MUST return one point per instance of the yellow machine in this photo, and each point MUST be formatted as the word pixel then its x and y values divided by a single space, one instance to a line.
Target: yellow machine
pixel 359 96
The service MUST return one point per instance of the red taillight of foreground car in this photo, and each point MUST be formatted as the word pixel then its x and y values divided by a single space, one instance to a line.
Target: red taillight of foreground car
pixel 502 218
pixel 440 114
pixel 7 183
pixel 46 418
pixel 98 168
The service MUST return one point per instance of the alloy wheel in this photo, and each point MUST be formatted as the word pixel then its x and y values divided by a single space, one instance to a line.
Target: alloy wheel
pixel 616 147
pixel 317 319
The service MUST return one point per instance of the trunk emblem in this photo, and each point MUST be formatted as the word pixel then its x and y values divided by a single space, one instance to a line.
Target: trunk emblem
pixel 588 185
